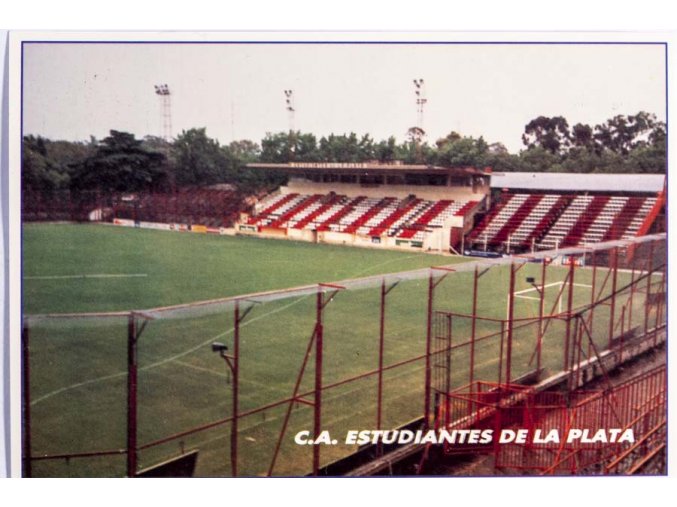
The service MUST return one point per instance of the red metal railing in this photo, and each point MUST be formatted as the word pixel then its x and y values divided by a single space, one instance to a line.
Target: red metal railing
pixel 448 344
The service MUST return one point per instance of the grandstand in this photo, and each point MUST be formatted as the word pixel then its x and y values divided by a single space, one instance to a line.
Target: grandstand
pixel 436 208
pixel 212 207
pixel 551 210
pixel 395 205
pixel 62 205
pixel 371 204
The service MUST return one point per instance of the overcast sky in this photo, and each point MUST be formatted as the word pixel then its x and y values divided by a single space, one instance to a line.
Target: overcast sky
pixel 72 91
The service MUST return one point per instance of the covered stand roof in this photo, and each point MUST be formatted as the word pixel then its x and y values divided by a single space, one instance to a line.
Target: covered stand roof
pixel 368 168
pixel 578 182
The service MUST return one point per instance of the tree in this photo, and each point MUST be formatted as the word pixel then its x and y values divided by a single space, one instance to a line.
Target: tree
pixel 497 149
pixel 245 150
pixel 120 164
pixel 36 173
pixel 582 137
pixel 346 148
pixel 551 134
pixel 658 134
pixel 415 135
pixel 386 151
pixel 276 148
pixel 539 159
pixel 199 159
pixel 286 147
pixel 367 149
pixel 621 134
pixel 500 159
pixel 412 152
pixel 156 143
pixel 47 165
pixel 585 160
pixel 451 137
pixel 647 159
pixel 457 151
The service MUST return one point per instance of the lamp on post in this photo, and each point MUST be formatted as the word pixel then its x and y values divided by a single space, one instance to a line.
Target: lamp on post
pixel 532 281
pixel 231 363
pixel 220 348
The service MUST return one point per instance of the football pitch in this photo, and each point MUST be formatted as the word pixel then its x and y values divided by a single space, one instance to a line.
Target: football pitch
pixel 79 365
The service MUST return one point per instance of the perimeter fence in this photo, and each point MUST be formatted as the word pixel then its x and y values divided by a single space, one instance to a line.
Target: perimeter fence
pixel 245 381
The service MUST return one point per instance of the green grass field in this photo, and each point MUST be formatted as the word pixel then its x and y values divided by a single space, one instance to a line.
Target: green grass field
pixel 180 268
pixel 78 366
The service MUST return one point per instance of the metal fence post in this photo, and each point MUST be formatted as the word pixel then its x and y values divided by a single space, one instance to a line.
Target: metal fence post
pixel 472 337
pixel 447 384
pixel 570 301
pixel 647 306
pixel 317 407
pixel 428 339
pixel 612 309
pixel 132 365
pixel 592 297
pixel 379 394
pixel 541 309
pixel 236 388
pixel 511 311
pixel 500 354
pixel 26 390
pixel 428 342
pixel 632 292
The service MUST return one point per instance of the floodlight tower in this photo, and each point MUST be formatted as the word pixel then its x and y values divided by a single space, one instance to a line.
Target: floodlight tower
pixel 289 99
pixel 163 92
pixel 420 102
pixel 416 134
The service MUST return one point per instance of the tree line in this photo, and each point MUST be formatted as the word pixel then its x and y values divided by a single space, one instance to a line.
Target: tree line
pixel 122 163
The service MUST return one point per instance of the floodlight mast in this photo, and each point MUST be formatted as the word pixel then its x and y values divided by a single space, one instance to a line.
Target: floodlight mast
pixel 421 100
pixel 291 110
pixel 162 91
pixel 232 364
pixel 289 100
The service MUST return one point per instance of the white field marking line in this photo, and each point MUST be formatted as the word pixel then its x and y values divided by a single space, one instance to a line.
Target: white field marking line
pixel 325 399
pixel 191 350
pixel 518 294
pixel 638 272
pixel 416 370
pixel 162 362
pixel 74 386
pixel 94 275
pixel 527 297
pixel 225 375
pixel 345 416
pixel 532 289
pixel 200 368
pixel 382 264
pixel 185 353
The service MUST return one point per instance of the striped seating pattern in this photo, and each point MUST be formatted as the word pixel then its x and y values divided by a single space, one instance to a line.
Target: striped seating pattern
pixel 409 218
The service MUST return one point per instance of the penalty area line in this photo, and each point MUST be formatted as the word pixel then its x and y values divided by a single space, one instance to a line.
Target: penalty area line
pixel 553 284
